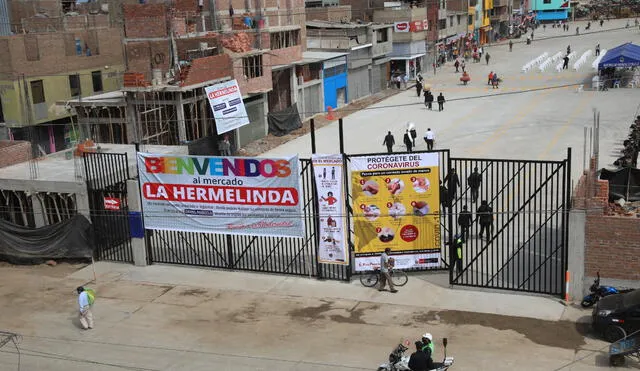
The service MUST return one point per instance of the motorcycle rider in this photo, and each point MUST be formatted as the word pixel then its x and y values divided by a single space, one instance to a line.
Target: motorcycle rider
pixel 427 342
pixel 419 360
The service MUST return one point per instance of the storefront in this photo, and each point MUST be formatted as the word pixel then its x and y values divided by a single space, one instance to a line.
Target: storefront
pixel 410 65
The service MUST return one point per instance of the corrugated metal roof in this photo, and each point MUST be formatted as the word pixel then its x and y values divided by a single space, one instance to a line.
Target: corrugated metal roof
pixel 313 56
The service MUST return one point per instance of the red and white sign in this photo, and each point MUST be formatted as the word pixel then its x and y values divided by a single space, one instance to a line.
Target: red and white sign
pixel 227 106
pixel 425 25
pixel 111 203
pixel 401 26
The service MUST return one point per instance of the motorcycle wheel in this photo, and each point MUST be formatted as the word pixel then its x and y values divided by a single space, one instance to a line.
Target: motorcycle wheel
pixel 587 303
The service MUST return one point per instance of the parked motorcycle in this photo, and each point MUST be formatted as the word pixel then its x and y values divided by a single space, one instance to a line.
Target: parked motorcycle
pixel 398 361
pixel 598 292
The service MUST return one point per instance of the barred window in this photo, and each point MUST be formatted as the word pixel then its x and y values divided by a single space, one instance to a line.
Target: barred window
pixel 285 39
pixel 252 66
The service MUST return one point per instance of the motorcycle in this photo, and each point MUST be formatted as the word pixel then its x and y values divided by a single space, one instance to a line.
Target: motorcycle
pixel 398 361
pixel 597 292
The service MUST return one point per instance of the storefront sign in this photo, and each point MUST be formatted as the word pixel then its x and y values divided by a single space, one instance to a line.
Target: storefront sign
pixel 396 205
pixel 231 195
pixel 227 106
pixel 401 26
pixel 328 170
pixel 112 203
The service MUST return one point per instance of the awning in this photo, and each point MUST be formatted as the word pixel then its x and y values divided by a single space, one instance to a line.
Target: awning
pixel 625 55
pixel 414 56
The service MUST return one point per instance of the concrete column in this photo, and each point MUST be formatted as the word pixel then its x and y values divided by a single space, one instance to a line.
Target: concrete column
pixel 138 245
pixel 38 209
pixel 82 199
pixel 132 120
pixel 182 129
pixel 577 230
pixel 265 111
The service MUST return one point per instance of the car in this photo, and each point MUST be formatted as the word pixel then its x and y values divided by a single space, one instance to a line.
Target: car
pixel 617 316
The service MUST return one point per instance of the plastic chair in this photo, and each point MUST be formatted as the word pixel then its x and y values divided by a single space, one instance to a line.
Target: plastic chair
pixel 616 84
pixel 580 88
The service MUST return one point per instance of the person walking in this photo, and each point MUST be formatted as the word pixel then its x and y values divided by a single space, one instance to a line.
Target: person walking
pixel 510 45
pixel 495 81
pixel 487 57
pixel 407 140
pixel 418 87
pixel 453 182
pixel 490 78
pixel 414 134
pixel 386 263
pixel 578 30
pixel 464 221
pixel 440 102
pixel 463 65
pixel 429 137
pixel 565 64
pixel 484 215
pixel 597 50
pixel 84 302
pixel 568 49
pixel 474 181
pixel 389 141
pixel 428 100
pixel 444 196
pixel 457 65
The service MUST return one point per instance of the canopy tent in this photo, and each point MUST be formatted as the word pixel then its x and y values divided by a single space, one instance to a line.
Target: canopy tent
pixel 625 55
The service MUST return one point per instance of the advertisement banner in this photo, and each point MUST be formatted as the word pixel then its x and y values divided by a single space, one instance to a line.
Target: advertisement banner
pixel 227 106
pixel 396 203
pixel 230 195
pixel 401 26
pixel 328 170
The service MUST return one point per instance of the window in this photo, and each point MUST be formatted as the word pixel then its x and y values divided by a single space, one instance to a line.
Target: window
pixel 285 39
pixel 334 71
pixel 442 24
pixel 37 91
pixel 1 112
pixel 459 19
pixel 546 1
pixel 74 85
pixel 96 79
pixel 252 66
pixel 470 20
pixel 443 4
pixel 382 36
pixel 451 21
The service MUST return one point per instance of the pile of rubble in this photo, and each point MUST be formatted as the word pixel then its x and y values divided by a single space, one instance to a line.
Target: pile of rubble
pixel 622 208
pixel 238 43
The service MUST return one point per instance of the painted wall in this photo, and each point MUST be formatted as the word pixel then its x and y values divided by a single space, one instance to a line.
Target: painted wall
pixel 536 5
pixel 56 89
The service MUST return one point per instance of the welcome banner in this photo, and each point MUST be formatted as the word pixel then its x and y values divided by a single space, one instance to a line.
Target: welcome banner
pixel 396 204
pixel 328 170
pixel 231 195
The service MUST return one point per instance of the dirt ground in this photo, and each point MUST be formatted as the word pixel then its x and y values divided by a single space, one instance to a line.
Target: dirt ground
pixel 142 326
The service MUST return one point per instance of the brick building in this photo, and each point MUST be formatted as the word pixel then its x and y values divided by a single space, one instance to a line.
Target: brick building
pixel 176 49
pixel 49 56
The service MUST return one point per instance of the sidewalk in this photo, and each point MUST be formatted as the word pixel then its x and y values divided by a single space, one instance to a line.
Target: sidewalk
pixel 417 292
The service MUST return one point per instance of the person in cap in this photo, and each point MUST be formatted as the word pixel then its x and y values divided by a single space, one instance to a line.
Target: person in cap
pixel 86 316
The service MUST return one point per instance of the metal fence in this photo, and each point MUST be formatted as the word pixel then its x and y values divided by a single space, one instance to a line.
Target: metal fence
pixel 524 242
pixel 106 177
pixel 295 256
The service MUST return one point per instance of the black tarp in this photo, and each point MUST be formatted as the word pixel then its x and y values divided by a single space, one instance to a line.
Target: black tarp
pixel 285 121
pixel 623 183
pixel 69 239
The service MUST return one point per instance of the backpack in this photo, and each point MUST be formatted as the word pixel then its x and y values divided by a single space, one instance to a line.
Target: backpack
pixel 91 294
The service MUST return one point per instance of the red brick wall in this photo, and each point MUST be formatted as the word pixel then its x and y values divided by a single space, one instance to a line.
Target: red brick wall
pixel 208 68
pixel 613 246
pixel 286 55
pixel 141 57
pixel 14 152
pixel 432 16
pixel 612 242
pixel 145 20
pixel 260 84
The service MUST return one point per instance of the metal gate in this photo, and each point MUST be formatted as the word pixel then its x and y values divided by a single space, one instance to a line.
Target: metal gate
pixel 525 245
pixel 295 256
pixel 106 176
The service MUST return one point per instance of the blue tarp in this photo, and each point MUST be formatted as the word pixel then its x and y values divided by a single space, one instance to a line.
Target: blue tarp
pixel 625 55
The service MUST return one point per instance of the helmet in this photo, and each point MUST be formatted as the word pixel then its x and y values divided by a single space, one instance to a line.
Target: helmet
pixel 428 336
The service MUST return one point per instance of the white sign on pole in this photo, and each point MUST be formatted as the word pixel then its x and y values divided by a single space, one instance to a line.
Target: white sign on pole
pixel 227 106
pixel 328 170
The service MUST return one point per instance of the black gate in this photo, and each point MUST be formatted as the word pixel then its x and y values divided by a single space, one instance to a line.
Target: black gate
pixel 106 176
pixel 525 237
pixel 295 256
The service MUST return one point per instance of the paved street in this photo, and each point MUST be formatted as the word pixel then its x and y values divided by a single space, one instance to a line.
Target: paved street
pixel 179 318
pixel 526 118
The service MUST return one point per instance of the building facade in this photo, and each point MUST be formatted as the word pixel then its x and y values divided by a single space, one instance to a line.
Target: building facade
pixel 46 61
pixel 550 10
pixel 410 27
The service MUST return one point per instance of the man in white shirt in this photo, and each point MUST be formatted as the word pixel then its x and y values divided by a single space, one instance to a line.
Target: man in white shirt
pixel 429 137
pixel 86 316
